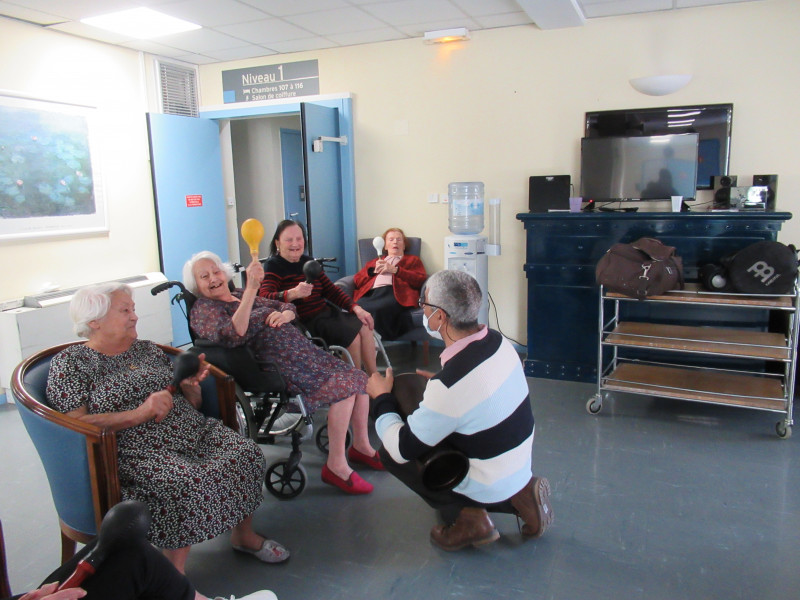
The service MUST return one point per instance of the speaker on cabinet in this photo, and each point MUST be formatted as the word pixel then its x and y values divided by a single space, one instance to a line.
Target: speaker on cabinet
pixel 771 181
pixel 722 185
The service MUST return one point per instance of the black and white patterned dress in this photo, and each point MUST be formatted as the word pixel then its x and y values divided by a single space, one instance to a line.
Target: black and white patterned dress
pixel 198 477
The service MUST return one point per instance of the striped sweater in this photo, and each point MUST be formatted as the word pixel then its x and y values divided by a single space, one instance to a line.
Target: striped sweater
pixel 281 275
pixel 479 403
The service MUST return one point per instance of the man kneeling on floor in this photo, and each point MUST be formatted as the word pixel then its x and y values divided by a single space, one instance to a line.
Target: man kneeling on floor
pixel 478 403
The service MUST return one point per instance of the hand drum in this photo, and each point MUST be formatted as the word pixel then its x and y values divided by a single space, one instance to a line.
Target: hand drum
pixel 444 467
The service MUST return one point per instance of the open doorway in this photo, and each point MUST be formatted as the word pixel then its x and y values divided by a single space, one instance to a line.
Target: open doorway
pixel 265 168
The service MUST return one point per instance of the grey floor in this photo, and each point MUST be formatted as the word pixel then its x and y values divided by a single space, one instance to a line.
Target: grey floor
pixel 653 499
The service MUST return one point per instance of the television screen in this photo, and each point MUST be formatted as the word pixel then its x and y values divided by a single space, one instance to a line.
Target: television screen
pixel 639 168
pixel 712 122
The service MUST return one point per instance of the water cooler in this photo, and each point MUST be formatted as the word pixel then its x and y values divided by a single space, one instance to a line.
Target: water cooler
pixel 466 250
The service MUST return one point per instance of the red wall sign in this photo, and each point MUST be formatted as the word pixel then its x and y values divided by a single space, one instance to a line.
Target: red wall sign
pixel 194 200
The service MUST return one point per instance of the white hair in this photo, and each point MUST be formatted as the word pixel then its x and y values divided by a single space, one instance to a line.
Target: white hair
pixel 458 294
pixel 189 282
pixel 92 303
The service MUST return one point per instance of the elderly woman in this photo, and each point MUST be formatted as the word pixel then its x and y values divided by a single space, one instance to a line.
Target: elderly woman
pixel 284 280
pixel 198 477
pixel 241 318
pixel 388 286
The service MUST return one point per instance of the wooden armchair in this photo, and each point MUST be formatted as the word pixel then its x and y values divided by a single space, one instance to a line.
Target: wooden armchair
pixel 80 459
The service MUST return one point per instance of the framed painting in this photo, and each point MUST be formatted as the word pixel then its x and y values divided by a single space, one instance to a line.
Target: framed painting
pixel 50 176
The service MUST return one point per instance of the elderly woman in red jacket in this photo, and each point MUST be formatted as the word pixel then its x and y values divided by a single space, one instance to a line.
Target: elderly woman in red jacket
pixel 388 286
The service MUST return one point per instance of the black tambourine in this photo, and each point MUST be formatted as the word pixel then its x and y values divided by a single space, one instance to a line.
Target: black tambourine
pixel 444 467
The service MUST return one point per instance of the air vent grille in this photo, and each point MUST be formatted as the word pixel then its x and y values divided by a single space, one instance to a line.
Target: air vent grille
pixel 178 89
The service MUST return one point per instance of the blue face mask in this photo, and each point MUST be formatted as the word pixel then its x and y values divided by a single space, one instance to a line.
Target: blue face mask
pixel 430 331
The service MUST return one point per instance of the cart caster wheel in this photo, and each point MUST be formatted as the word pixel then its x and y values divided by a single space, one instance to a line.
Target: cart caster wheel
pixel 322 439
pixel 594 404
pixel 783 430
pixel 285 485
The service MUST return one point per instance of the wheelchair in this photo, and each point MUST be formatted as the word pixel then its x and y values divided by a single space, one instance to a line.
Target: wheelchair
pixel 264 408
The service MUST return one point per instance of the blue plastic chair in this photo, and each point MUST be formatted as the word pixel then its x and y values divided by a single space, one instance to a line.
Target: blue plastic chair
pixel 80 459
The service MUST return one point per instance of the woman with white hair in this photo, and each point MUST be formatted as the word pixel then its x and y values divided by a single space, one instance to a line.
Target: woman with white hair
pixel 198 477
pixel 242 318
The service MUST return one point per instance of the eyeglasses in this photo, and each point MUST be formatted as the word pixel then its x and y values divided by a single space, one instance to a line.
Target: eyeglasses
pixel 422 303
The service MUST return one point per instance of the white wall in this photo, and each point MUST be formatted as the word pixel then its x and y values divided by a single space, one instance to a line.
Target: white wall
pixel 55 66
pixel 510 103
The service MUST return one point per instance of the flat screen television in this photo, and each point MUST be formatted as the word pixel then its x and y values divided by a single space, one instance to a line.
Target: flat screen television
pixel 712 122
pixel 639 168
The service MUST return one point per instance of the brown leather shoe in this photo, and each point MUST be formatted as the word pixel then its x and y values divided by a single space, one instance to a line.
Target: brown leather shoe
pixel 532 504
pixel 473 527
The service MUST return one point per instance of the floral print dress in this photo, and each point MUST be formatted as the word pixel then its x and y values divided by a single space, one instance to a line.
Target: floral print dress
pixel 198 477
pixel 318 376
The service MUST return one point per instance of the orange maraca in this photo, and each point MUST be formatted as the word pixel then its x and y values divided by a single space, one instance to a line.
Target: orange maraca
pixel 252 232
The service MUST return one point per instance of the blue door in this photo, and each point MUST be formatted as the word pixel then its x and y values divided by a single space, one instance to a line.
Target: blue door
pixel 324 204
pixel 294 181
pixel 186 164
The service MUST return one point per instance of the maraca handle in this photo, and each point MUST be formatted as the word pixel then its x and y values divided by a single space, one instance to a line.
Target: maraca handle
pixel 81 572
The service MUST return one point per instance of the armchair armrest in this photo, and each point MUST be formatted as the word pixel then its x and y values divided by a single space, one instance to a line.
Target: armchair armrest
pixel 347 285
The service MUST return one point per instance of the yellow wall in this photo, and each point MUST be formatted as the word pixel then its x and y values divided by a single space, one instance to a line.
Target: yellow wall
pixel 55 66
pixel 510 103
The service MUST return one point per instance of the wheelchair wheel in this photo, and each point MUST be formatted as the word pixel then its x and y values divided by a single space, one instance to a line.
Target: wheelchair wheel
pixel 323 442
pixel 245 421
pixel 283 483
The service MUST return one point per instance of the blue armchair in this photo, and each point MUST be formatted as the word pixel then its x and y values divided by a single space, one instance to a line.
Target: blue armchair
pixel 80 459
pixel 366 252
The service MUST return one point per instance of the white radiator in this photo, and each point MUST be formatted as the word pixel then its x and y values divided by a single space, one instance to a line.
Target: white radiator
pixel 44 321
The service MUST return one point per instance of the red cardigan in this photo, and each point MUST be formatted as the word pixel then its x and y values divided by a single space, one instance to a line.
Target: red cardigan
pixel 407 281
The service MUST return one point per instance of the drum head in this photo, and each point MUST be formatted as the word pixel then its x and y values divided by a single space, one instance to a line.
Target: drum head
pixel 408 389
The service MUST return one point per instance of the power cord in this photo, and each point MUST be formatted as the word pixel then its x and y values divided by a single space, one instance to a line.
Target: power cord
pixel 497 320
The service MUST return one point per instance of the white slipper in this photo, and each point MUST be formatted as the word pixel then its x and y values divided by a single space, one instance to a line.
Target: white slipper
pixel 270 552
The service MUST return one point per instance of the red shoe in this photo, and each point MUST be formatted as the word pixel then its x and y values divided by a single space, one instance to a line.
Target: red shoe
pixel 374 461
pixel 354 485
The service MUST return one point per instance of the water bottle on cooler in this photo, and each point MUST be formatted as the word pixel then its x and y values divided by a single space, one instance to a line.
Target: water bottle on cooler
pixel 466 207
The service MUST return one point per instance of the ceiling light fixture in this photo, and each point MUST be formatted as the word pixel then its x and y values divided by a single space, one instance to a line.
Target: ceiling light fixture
pixel 660 85
pixel 140 23
pixel 442 36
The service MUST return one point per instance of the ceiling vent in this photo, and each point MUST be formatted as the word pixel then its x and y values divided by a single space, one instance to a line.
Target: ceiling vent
pixel 178 89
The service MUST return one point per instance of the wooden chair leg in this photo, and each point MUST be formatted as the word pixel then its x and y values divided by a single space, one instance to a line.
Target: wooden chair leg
pixel 67 548
pixel 5 586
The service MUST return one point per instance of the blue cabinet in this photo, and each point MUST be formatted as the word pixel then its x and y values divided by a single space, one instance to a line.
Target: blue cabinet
pixel 562 250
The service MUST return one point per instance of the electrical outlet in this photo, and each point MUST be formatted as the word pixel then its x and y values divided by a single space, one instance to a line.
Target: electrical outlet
pixel 444 198
pixel 433 198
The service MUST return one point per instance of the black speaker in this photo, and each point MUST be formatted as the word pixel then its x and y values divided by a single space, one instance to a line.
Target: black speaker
pixel 771 181
pixel 548 192
pixel 722 185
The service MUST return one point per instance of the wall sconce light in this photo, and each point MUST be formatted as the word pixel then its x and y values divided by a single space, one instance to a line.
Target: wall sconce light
pixel 660 85
pixel 442 36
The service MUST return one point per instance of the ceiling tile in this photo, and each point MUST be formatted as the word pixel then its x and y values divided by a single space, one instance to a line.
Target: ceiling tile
pixel 266 31
pixel 340 20
pixel 505 20
pixel 478 8
pixel 383 34
pixel 610 8
pixel 79 9
pixel 28 14
pixel 302 45
pixel 282 8
pixel 408 12
pixel 212 13
pixel 101 35
pixel 200 40
pixel 419 29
